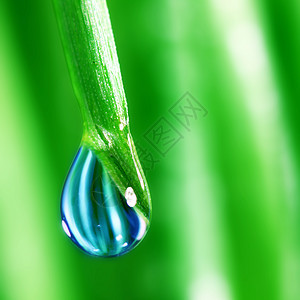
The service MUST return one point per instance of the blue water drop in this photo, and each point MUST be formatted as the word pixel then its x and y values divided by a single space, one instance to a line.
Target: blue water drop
pixel 95 214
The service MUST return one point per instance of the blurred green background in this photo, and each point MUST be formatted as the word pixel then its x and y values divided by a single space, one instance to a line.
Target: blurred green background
pixel 225 198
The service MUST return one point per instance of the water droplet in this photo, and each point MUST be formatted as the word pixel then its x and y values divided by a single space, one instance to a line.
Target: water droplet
pixel 95 214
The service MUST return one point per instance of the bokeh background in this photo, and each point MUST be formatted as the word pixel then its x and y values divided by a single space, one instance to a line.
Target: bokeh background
pixel 225 198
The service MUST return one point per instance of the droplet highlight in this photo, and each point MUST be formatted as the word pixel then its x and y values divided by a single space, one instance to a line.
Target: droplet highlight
pixel 95 214
pixel 130 197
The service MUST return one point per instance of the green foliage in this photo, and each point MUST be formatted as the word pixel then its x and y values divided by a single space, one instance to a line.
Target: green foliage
pixel 93 63
pixel 226 198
